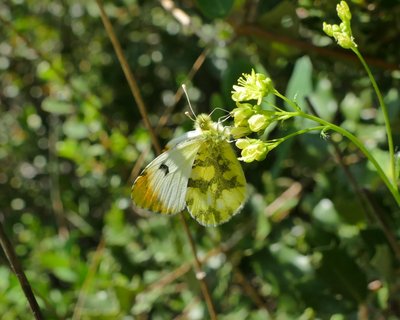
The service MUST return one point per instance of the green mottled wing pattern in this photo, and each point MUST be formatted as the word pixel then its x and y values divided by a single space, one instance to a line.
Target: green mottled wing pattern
pixel 217 185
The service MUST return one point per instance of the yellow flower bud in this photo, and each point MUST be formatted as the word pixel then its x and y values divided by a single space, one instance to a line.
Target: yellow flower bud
pixel 252 149
pixel 238 132
pixel 242 114
pixel 242 143
pixel 343 12
pixel 327 28
pixel 336 29
pixel 258 122
pixel 345 41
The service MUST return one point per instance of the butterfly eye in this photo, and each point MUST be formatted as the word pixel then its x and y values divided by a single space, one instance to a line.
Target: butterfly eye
pixel 202 122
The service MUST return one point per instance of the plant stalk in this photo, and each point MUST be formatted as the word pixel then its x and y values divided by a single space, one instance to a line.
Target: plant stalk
pixel 385 116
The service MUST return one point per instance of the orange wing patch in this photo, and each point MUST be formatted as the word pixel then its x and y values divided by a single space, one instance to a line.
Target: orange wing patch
pixel 162 186
pixel 146 197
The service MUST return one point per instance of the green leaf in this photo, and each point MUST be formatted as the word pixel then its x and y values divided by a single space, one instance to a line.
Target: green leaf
pixel 326 214
pixel 351 107
pixel 300 83
pixel 343 275
pixel 56 106
pixel 68 149
pixel 371 134
pixel 290 257
pixel 75 130
pixel 323 100
pixel 60 264
pixel 102 304
pixel 382 261
pixel 215 9
pixel 119 142
pixel 116 231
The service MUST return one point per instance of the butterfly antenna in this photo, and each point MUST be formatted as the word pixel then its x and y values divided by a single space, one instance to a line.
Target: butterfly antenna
pixel 223 118
pixel 190 105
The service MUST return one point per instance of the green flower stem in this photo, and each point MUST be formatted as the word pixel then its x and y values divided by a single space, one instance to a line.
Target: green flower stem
pixel 288 101
pixel 359 145
pixel 283 139
pixel 386 117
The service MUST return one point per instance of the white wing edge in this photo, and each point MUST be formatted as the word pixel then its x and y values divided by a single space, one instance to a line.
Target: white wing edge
pixel 188 136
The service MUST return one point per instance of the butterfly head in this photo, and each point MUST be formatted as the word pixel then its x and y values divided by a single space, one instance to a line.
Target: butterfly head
pixel 205 124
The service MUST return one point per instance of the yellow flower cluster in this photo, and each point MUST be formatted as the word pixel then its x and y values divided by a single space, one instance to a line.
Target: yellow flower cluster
pixel 254 86
pixel 249 118
pixel 341 33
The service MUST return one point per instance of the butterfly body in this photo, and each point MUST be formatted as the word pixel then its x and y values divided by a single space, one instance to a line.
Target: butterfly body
pixel 199 171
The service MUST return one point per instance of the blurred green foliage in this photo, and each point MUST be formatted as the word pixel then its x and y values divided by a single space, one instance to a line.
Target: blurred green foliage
pixel 304 246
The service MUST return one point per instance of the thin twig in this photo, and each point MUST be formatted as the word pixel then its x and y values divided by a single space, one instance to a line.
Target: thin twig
pixel 19 272
pixel 128 74
pixel 200 275
pixel 179 93
pixel 293 192
pixel 55 194
pixel 383 223
pixel 272 36
pixel 142 108
pixel 251 292
pixel 168 111
pixel 225 247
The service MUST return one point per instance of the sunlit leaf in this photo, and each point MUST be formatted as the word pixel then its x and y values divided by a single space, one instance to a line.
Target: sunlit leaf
pixel 57 106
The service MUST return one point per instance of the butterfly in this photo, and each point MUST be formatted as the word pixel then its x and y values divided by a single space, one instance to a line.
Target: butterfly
pixel 200 171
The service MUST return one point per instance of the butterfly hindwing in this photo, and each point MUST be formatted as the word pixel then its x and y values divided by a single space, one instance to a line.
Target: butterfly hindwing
pixel 217 185
pixel 162 185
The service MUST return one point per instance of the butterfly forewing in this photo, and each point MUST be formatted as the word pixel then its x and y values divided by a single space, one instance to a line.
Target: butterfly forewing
pixel 162 185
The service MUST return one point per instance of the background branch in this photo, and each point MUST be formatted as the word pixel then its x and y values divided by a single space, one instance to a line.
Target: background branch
pixel 19 272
